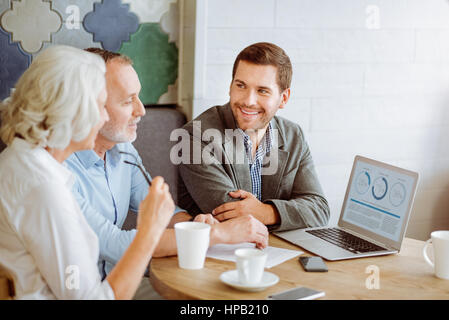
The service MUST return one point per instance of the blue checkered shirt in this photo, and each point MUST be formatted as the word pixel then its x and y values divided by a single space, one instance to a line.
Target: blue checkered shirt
pixel 255 165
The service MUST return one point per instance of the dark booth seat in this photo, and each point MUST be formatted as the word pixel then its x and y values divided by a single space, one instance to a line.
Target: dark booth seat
pixel 154 145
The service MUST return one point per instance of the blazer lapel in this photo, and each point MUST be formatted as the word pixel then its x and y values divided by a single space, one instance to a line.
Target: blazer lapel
pixel 273 171
pixel 235 152
pixel 240 168
pixel 271 182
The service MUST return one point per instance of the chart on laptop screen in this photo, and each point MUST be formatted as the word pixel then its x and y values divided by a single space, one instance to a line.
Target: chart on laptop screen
pixel 378 199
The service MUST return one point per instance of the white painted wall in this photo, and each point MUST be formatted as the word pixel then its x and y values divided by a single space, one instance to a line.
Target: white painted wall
pixel 361 85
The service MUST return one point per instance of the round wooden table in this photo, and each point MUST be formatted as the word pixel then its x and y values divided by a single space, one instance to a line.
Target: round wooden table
pixel 401 276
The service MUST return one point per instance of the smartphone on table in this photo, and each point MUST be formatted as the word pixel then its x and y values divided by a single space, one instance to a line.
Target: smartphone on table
pixel 313 264
pixel 301 293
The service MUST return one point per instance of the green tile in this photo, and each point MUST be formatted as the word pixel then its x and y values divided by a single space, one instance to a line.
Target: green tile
pixel 155 60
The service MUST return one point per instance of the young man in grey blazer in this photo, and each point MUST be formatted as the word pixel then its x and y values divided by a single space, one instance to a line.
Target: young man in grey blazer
pixel 257 163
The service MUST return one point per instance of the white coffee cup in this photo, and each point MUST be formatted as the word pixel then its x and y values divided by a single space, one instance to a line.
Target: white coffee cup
pixel 192 240
pixel 250 265
pixel 440 241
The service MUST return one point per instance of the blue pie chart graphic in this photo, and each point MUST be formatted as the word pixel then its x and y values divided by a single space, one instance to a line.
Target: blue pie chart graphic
pixel 362 182
pixel 397 194
pixel 380 188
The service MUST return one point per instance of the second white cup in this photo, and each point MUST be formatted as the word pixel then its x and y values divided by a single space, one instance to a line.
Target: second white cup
pixel 250 265
pixel 192 240
pixel 440 241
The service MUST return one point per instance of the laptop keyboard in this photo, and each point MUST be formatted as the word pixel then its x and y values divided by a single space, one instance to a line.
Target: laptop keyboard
pixel 345 240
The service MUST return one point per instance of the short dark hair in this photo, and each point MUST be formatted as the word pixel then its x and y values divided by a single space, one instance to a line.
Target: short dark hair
pixel 265 53
pixel 109 55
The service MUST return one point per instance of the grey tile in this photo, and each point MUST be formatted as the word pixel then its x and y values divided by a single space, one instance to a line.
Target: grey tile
pixel 30 35
pixel 73 9
pixel 78 38
pixel 4 5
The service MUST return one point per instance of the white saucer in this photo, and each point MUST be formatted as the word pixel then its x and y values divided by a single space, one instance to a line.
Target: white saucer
pixel 231 278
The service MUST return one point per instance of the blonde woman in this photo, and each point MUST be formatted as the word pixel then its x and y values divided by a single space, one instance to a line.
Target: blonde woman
pixel 56 109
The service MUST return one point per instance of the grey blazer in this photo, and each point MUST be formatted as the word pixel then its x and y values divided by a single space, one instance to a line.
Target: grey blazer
pixel 293 189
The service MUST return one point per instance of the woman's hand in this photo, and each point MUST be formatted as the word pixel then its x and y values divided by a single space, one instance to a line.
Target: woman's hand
pixel 156 210
pixel 206 218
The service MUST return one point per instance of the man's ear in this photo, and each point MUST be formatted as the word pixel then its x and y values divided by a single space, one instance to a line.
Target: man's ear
pixel 285 95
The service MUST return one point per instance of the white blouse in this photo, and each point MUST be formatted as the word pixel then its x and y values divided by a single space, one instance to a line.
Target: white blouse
pixel 45 241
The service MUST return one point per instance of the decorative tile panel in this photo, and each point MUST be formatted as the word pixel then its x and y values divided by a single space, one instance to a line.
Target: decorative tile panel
pixel 13 63
pixel 73 10
pixel 171 96
pixel 4 5
pixel 149 11
pixel 170 23
pixel 155 60
pixel 31 23
pixel 78 38
pixel 111 23
pixel 72 32
pixel 31 26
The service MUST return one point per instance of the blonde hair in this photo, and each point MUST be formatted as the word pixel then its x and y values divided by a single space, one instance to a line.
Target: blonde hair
pixel 55 100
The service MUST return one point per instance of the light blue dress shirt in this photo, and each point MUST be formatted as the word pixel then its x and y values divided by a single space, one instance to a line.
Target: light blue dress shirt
pixel 105 193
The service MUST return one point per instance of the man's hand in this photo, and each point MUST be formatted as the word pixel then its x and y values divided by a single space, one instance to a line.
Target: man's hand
pixel 249 205
pixel 241 229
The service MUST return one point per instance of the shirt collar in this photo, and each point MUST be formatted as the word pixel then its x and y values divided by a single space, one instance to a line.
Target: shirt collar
pixel 55 169
pixel 90 158
pixel 266 142
pixel 265 145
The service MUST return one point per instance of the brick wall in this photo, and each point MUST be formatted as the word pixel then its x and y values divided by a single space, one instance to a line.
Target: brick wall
pixel 370 78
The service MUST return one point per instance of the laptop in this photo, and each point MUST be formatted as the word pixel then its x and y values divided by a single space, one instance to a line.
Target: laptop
pixel 374 215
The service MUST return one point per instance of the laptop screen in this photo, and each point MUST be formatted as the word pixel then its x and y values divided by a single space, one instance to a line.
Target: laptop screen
pixel 378 199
